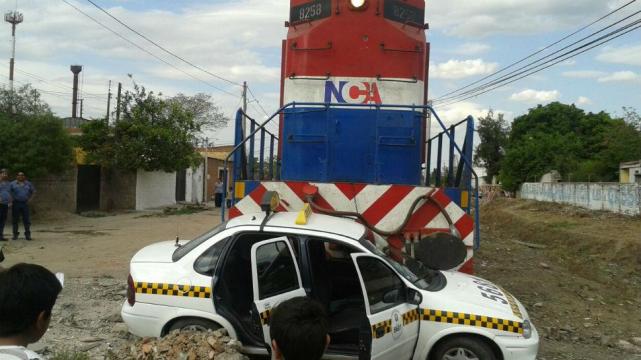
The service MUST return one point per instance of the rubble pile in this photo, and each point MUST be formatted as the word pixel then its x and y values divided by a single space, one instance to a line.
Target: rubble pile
pixel 188 345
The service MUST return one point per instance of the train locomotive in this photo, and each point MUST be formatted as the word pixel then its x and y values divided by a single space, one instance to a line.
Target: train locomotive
pixel 354 129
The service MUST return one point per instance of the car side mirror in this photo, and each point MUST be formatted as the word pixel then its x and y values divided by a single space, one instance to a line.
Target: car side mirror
pixel 391 296
pixel 414 297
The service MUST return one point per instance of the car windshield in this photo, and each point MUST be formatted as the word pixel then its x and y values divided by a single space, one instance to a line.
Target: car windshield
pixel 420 281
pixel 191 245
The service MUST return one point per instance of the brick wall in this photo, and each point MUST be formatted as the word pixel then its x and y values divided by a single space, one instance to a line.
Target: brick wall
pixel 117 190
pixel 56 192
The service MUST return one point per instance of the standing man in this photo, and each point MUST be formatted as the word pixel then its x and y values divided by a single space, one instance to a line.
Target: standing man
pixel 5 199
pixel 21 192
pixel 218 193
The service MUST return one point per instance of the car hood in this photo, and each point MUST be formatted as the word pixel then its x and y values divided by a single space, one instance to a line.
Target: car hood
pixel 157 253
pixel 473 295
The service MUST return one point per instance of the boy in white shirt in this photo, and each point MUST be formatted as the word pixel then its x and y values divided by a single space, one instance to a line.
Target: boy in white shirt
pixel 27 295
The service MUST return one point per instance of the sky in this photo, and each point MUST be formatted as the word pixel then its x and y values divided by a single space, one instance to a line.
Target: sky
pixel 240 40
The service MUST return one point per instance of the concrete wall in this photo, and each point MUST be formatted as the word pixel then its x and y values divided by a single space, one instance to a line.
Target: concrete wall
pixel 56 192
pixel 614 197
pixel 117 190
pixel 155 189
pixel 194 188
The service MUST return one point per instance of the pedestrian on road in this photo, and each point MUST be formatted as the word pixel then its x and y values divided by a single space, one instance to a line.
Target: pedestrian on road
pixel 21 191
pixel 218 193
pixel 5 199
pixel 27 295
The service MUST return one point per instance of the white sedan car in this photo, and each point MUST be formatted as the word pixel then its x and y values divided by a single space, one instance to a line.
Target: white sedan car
pixel 233 276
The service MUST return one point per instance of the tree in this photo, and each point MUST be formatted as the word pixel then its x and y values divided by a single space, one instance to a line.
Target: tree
pixel 24 100
pixel 35 145
pixel 582 147
pixel 202 108
pixel 153 134
pixel 489 153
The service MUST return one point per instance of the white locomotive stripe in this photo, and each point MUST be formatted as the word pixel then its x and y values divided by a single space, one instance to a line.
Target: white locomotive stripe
pixel 456 213
pixel 286 193
pixel 469 239
pixel 335 197
pixel 395 217
pixel 247 206
pixel 353 90
pixel 369 195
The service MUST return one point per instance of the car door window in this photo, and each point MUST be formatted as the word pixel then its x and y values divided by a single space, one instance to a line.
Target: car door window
pixel 384 288
pixel 207 262
pixel 276 270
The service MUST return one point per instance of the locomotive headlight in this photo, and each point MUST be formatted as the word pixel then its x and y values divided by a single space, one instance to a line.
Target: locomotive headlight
pixel 358 4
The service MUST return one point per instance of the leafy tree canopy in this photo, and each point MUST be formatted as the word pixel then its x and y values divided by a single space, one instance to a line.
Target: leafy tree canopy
pixel 581 146
pixel 201 106
pixel 24 100
pixel 153 134
pixel 37 145
pixel 493 132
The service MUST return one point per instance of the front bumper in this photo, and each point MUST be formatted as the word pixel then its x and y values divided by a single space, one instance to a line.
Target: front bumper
pixel 142 319
pixel 519 348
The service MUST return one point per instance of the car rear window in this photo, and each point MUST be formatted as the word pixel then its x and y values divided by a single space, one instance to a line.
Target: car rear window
pixel 191 245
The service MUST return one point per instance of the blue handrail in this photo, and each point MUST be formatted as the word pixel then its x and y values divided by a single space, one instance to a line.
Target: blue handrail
pixel 325 106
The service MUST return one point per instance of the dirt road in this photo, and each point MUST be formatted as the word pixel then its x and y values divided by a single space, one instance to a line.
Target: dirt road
pixel 577 272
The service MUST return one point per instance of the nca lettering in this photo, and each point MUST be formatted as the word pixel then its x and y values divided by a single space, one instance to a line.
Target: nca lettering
pixel 348 92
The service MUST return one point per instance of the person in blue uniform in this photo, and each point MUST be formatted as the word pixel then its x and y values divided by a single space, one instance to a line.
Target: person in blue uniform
pixel 21 191
pixel 5 199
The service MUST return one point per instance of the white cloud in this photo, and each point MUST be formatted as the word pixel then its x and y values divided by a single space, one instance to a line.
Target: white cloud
pixel 473 18
pixel 536 96
pixel 215 35
pixel 627 55
pixel 620 76
pixel 471 48
pixel 582 100
pixel 584 74
pixel 459 69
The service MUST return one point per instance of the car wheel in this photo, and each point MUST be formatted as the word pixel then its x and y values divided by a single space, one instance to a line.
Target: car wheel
pixel 463 348
pixel 193 324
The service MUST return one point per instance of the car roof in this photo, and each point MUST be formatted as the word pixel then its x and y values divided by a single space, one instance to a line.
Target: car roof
pixel 316 222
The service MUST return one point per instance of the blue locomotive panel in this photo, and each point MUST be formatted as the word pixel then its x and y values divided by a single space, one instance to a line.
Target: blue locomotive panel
pixel 352 145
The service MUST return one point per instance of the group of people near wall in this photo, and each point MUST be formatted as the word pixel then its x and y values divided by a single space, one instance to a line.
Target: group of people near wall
pixel 15 195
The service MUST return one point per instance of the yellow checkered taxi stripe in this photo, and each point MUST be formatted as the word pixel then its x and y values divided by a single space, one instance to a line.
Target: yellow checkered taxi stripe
pixel 381 329
pixel 410 316
pixel 472 320
pixel 150 288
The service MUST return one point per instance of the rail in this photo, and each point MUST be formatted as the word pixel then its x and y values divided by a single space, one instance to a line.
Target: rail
pixel 465 154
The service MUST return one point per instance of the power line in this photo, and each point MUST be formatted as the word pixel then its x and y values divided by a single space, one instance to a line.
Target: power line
pixel 596 43
pixel 539 51
pixel 147 51
pixel 163 48
pixel 529 65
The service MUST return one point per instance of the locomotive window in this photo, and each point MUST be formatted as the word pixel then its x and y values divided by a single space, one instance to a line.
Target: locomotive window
pixel 406 14
pixel 311 11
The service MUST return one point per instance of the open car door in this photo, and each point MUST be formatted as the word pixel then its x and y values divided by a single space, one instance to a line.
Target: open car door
pixel 275 278
pixel 392 311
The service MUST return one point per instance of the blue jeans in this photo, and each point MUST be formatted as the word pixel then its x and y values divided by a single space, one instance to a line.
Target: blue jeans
pixel 4 210
pixel 21 209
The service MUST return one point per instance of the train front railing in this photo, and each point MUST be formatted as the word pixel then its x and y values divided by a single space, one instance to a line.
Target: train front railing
pixel 247 168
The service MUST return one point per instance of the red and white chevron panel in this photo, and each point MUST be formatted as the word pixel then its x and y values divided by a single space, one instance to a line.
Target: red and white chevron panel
pixel 384 206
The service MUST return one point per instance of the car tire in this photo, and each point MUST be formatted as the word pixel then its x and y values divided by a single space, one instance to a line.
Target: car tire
pixel 193 324
pixel 463 348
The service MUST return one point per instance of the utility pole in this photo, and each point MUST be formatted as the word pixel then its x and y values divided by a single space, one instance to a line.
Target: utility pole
pixel 108 101
pixel 14 18
pixel 244 107
pixel 118 102
pixel 81 105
